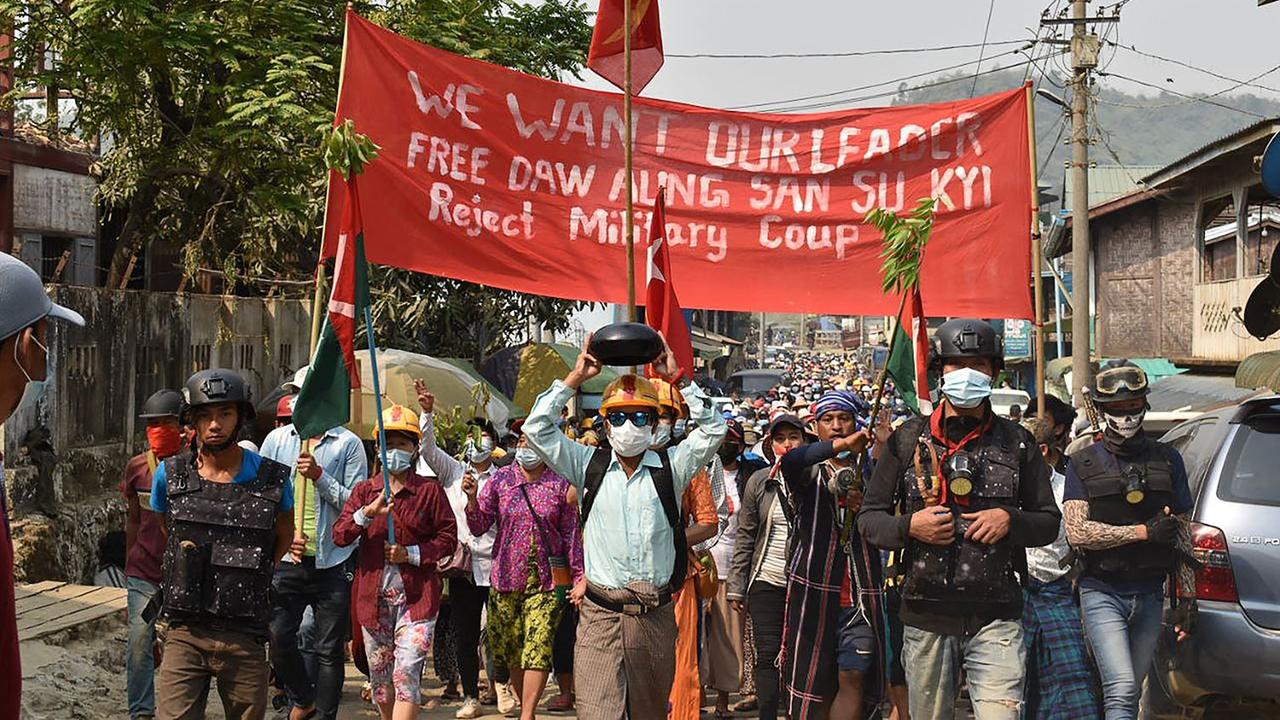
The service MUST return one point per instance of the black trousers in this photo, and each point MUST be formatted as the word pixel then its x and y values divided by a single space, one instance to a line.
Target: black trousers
pixel 328 592
pixel 766 604
pixel 566 636
pixel 468 601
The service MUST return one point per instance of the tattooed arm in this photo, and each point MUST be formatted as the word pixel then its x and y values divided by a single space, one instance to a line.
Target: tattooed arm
pixel 1186 573
pixel 1087 534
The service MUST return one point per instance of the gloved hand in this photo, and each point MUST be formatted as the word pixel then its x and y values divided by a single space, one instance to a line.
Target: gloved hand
pixel 1163 530
pixel 1183 619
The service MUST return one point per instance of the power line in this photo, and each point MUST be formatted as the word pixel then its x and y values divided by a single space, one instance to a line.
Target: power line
pixel 991 7
pixel 1188 98
pixel 849 53
pixel 890 93
pixel 777 104
pixel 1206 71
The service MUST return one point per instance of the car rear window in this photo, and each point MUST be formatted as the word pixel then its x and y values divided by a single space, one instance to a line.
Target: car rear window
pixel 1249 473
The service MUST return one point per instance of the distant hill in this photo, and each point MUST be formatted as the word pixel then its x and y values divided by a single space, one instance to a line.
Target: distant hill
pixel 1161 129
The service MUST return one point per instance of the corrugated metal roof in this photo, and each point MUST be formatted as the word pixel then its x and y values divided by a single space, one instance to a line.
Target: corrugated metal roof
pixel 1242 132
pixel 1111 181
pixel 1195 393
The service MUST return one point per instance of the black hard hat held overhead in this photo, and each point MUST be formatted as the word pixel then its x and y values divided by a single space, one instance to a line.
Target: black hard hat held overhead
pixel 219 385
pixel 162 403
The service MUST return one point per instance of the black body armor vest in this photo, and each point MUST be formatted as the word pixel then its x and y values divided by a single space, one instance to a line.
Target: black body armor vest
pixel 1104 479
pixel 218 560
pixel 964 570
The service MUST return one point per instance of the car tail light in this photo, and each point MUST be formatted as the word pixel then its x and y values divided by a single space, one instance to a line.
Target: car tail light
pixel 1215 580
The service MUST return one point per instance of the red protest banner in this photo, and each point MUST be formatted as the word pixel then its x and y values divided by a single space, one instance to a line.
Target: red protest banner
pixel 513 181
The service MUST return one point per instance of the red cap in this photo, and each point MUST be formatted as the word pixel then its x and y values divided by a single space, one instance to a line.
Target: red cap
pixel 284 408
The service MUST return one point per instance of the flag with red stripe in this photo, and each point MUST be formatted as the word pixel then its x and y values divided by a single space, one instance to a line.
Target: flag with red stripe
pixel 909 364
pixel 662 308
pixel 325 399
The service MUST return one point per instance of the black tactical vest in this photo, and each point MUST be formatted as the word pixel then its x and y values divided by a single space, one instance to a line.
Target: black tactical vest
pixel 218 559
pixel 964 570
pixel 1103 477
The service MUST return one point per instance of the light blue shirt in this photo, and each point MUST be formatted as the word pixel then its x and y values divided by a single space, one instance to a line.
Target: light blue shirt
pixel 627 538
pixel 342 463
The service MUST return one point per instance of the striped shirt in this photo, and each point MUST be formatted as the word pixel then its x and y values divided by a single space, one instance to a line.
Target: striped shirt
pixel 773 565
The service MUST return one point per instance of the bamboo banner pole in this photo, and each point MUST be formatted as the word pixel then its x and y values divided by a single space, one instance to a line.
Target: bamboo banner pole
pixel 317 299
pixel 629 220
pixel 1036 260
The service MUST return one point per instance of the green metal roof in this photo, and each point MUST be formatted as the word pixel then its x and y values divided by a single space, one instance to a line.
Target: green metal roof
pixel 1111 181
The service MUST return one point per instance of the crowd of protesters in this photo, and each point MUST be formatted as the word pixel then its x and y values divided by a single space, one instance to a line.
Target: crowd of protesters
pixel 795 550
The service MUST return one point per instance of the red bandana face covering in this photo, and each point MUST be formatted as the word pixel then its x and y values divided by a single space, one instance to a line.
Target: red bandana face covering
pixel 164 440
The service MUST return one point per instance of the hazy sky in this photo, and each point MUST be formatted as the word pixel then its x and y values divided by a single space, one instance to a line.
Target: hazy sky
pixel 1231 37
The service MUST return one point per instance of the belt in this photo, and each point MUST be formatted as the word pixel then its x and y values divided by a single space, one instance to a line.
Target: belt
pixel 637 609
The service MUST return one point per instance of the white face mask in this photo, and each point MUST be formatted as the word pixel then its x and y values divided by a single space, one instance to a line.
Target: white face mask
pixel 528 458
pixel 1126 426
pixel 661 435
pixel 630 441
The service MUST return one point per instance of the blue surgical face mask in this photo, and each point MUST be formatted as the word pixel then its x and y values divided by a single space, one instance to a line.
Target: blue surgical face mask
pixel 528 458
pixel 678 429
pixel 399 461
pixel 34 389
pixel 966 387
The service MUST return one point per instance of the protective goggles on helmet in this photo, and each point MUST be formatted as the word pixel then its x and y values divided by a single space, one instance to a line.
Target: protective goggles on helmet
pixel 1114 381
pixel 639 418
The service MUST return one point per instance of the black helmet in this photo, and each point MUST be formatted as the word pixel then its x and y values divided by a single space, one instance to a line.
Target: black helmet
pixel 163 403
pixel 964 337
pixel 1119 381
pixel 219 385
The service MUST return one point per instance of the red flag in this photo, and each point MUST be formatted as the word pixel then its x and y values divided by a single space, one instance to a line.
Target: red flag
pixel 661 307
pixel 909 364
pixel 606 57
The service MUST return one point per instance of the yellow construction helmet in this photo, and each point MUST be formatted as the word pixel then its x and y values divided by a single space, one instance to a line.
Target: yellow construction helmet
pixel 401 418
pixel 668 397
pixel 629 391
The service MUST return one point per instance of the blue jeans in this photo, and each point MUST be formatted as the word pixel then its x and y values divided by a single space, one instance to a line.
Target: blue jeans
pixel 994 661
pixel 141 658
pixel 1123 631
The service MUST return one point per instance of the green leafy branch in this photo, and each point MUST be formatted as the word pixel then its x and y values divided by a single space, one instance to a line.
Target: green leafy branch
pixel 454 426
pixel 348 151
pixel 904 241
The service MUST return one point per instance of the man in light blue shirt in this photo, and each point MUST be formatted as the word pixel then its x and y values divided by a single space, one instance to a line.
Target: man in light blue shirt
pixel 314 573
pixel 625 651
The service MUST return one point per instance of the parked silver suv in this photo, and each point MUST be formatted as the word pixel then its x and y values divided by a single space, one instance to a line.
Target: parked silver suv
pixel 1230 666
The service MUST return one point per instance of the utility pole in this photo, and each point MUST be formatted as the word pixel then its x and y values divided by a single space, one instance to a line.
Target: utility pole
pixel 1084 58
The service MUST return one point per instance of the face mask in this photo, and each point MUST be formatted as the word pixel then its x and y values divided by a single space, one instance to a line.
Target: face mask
pixel 728 453
pixel 34 389
pixel 678 429
pixel 399 461
pixel 1126 426
pixel 480 454
pixel 528 458
pixel 630 441
pixel 661 435
pixel 966 387
pixel 164 440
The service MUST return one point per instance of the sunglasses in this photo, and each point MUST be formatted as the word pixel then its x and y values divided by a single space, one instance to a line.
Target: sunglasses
pixel 639 418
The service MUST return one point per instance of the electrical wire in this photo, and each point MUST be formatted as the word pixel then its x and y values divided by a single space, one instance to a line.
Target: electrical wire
pixel 1057 142
pixel 776 105
pixel 1206 71
pixel 889 93
pixel 843 54
pixel 991 8
pixel 1187 98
